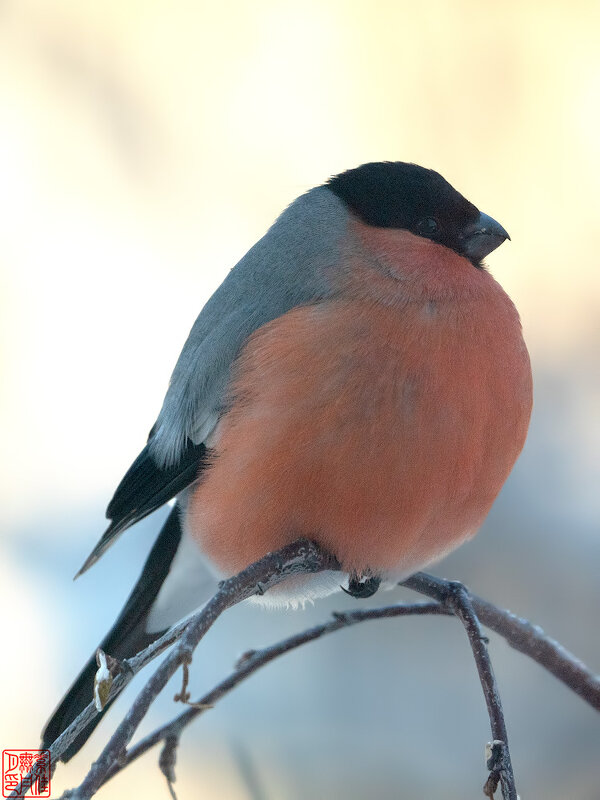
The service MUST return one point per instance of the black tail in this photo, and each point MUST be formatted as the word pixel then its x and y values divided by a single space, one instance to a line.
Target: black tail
pixel 126 638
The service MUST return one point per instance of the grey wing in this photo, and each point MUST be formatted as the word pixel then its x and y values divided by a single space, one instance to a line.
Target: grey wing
pixel 290 266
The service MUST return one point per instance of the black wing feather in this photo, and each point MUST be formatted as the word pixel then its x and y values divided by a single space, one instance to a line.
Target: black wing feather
pixel 146 487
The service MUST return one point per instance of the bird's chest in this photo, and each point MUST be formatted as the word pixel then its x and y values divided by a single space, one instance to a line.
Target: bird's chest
pixel 387 387
pixel 367 425
pixel 420 375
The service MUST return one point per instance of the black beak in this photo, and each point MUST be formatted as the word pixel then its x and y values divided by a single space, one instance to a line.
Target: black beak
pixel 481 237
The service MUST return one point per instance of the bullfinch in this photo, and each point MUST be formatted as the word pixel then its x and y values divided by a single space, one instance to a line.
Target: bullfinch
pixel 359 379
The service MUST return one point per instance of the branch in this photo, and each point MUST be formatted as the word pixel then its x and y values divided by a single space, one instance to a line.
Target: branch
pixel 253 660
pixel 533 642
pixel 522 635
pixel 304 557
pixel 456 597
pixel 526 638
pixel 130 668
pixel 301 557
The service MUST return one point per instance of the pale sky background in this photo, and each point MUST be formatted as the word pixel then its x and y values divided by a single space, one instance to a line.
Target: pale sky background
pixel 145 146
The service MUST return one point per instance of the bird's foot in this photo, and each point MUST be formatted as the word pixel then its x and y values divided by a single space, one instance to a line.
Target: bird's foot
pixel 362 586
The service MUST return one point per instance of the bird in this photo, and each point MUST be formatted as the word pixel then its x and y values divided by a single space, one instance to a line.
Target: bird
pixel 359 379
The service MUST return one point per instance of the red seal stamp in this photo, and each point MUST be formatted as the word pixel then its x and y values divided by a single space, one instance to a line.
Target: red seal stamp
pixel 27 772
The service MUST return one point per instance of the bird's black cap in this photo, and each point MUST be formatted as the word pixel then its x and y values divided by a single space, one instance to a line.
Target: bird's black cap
pixel 396 194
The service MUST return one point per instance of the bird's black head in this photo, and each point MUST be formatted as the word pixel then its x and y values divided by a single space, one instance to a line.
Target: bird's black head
pixel 394 194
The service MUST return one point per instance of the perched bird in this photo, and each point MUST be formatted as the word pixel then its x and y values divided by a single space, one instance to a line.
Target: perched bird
pixel 358 379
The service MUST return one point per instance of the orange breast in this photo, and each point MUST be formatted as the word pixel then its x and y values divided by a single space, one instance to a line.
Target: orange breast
pixel 384 431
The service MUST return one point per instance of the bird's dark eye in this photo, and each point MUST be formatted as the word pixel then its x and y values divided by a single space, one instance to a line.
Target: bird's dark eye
pixel 428 226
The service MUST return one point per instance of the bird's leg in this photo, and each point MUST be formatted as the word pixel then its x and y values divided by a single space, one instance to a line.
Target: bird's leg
pixel 362 586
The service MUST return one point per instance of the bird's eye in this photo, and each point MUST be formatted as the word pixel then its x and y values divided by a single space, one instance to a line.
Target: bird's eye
pixel 428 226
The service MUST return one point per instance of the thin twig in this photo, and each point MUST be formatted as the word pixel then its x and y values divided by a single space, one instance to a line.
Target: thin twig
pixel 131 667
pixel 525 637
pixel 253 660
pixel 166 761
pixel 532 641
pixel 519 633
pixel 297 558
pixel 300 557
pixel 457 598
pixel 501 767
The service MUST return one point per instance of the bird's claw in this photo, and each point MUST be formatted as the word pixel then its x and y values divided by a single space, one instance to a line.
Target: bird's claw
pixel 362 587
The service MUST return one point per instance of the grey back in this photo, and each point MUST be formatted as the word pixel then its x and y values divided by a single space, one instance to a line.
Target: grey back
pixel 291 265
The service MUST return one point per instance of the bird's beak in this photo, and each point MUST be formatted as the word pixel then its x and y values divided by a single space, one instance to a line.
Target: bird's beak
pixel 481 237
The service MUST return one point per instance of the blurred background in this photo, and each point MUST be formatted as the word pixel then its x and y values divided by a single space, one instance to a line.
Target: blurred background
pixel 144 147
